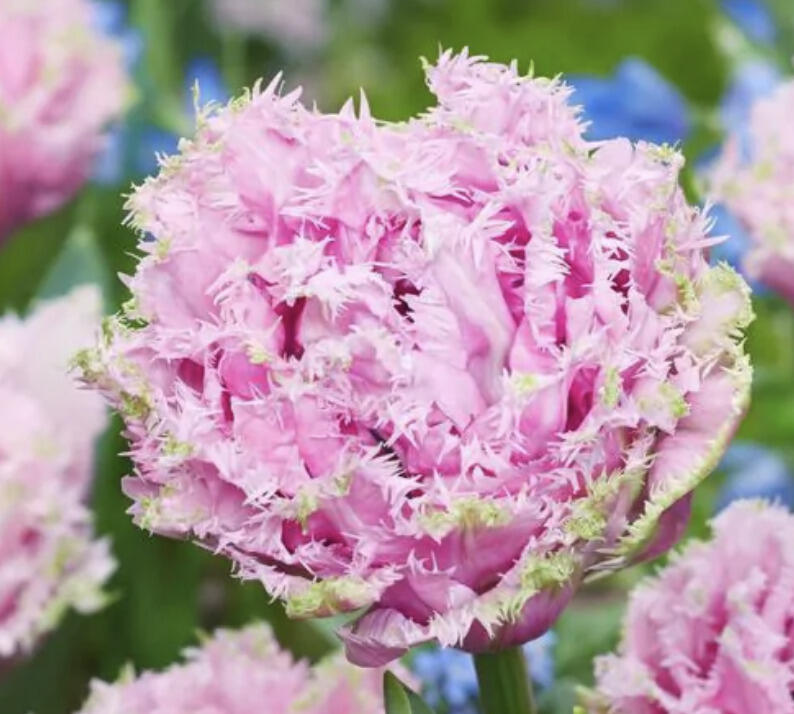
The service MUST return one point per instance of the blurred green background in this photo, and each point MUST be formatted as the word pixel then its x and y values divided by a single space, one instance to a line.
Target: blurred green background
pixel 164 591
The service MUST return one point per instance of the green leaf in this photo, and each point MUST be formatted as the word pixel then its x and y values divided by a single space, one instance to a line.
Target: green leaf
pixel 395 695
pixel 80 261
pixel 400 699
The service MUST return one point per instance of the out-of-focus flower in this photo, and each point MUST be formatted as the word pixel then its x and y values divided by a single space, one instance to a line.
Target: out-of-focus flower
pixel 110 18
pixel 752 80
pixel 449 679
pixel 539 654
pixel 295 26
pixel 734 244
pixel 243 672
pixel 636 103
pixel 754 18
pixel 712 632
pixel 61 82
pixel 758 189
pixel 204 76
pixel 132 149
pixel 436 370
pixel 755 471
pixel 48 560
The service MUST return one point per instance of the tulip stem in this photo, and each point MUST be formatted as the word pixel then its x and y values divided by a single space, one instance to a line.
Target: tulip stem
pixel 505 687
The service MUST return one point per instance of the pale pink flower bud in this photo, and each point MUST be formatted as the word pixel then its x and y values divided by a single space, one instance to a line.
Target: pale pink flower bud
pixel 60 84
pixel 243 672
pixel 754 177
pixel 49 561
pixel 436 370
pixel 711 633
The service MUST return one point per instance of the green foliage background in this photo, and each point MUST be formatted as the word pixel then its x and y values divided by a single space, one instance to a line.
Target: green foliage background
pixel 164 590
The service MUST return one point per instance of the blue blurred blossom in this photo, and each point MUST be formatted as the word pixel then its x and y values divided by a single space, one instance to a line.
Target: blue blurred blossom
pixel 752 80
pixel 448 675
pixel 148 143
pixel 132 148
pixel 754 18
pixel 110 17
pixel 736 244
pixel 540 659
pixel 636 102
pixel 205 72
pixel 755 471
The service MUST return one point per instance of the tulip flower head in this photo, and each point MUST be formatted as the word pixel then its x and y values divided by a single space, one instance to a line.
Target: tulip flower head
pixel 712 631
pixel 242 672
pixel 433 370
pixel 753 178
pixel 49 561
pixel 61 82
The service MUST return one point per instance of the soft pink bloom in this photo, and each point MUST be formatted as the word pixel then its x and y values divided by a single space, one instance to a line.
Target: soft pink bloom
pixel 435 369
pixel 243 672
pixel 48 559
pixel 60 83
pixel 295 26
pixel 754 177
pixel 712 633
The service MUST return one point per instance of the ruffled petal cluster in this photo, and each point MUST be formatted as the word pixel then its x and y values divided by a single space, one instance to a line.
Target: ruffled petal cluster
pixel 435 369
pixel 243 672
pixel 754 178
pixel 60 83
pixel 712 633
pixel 49 561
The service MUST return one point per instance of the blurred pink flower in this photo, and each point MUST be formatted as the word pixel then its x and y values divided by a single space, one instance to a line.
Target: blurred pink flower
pixel 712 633
pixel 295 26
pixel 435 369
pixel 754 177
pixel 48 560
pixel 60 84
pixel 242 672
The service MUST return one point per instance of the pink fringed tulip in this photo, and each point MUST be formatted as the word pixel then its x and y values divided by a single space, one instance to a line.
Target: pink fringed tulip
pixel 242 672
pixel 754 177
pixel 435 370
pixel 712 633
pixel 60 83
pixel 48 560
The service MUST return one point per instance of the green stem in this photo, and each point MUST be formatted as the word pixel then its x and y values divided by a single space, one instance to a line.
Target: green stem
pixel 504 683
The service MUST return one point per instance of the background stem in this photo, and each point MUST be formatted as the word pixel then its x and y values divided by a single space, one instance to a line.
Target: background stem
pixel 505 687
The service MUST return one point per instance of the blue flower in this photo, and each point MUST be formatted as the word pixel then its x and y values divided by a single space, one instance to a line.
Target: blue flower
pixel 754 18
pixel 448 677
pixel 204 71
pixel 736 244
pixel 109 163
pixel 148 143
pixel 450 681
pixel 751 81
pixel 755 471
pixel 540 659
pixel 636 102
pixel 110 18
